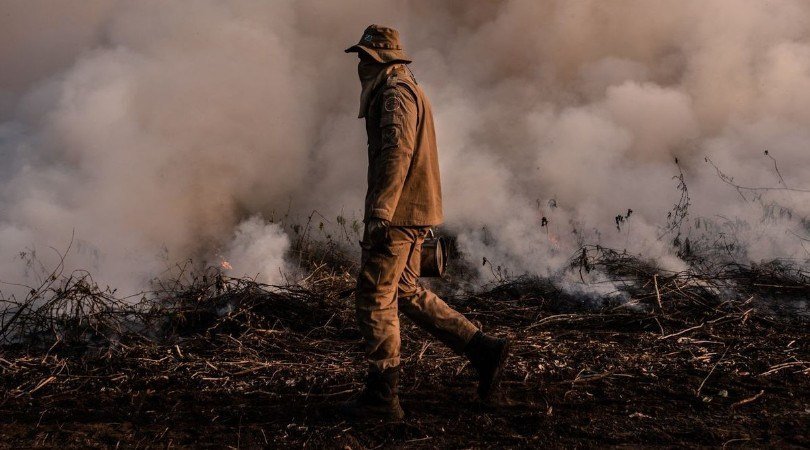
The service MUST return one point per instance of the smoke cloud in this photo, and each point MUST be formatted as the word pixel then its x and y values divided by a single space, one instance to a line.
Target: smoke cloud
pixel 151 132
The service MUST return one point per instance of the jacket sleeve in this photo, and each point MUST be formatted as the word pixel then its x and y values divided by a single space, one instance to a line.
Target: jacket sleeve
pixel 398 122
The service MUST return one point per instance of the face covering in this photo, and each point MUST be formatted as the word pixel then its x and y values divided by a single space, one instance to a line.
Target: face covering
pixel 371 74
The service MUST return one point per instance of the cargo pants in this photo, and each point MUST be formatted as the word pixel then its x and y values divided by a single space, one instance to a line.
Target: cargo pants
pixel 389 283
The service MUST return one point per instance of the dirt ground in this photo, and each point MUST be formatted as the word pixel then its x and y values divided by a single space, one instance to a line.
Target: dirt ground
pixel 252 369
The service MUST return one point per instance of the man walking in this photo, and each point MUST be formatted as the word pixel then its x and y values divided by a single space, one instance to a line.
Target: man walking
pixel 402 202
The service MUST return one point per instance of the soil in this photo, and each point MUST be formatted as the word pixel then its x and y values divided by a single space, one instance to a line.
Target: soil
pixel 271 370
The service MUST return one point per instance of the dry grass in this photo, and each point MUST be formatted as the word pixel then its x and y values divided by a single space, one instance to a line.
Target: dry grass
pixel 715 357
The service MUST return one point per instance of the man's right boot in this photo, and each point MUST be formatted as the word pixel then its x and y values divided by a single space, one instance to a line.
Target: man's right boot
pixel 379 399
pixel 488 356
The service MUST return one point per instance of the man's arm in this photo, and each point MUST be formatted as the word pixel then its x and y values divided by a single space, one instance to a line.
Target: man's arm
pixel 398 125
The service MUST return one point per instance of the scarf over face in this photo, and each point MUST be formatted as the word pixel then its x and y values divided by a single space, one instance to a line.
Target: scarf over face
pixel 371 75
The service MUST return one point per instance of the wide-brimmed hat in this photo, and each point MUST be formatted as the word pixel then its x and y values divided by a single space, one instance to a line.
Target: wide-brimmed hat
pixel 382 44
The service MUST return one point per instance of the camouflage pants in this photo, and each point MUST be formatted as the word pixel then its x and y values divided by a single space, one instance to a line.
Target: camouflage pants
pixel 389 283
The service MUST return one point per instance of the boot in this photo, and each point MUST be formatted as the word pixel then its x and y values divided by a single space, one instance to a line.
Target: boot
pixel 488 355
pixel 379 400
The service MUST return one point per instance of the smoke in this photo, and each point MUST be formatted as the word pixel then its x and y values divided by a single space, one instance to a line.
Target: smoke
pixel 151 132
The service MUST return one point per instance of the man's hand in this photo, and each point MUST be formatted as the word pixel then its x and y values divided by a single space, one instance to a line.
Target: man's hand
pixel 377 231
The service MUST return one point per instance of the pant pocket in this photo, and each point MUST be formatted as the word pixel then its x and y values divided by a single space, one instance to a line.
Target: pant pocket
pixel 387 248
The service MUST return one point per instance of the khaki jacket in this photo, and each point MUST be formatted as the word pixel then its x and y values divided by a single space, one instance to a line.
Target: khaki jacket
pixel 403 163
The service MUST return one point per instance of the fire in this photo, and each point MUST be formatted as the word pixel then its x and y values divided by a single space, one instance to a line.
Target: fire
pixel 226 265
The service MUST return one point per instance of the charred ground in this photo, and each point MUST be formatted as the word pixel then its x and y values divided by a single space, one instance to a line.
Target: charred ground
pixel 712 359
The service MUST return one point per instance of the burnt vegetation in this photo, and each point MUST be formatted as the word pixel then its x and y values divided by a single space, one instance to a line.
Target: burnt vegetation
pixel 717 358
pixel 713 355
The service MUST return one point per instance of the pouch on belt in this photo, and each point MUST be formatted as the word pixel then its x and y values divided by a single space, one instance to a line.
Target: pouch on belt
pixel 434 256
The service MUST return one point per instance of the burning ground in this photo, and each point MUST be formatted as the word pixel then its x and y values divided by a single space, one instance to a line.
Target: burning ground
pixel 681 358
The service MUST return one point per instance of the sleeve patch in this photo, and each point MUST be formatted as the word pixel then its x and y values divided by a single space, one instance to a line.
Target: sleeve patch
pixel 391 103
pixel 390 136
pixel 392 108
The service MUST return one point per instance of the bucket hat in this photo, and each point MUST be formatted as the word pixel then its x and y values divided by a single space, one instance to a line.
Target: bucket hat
pixel 382 44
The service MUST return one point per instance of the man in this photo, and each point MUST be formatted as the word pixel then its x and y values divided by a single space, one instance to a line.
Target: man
pixel 402 202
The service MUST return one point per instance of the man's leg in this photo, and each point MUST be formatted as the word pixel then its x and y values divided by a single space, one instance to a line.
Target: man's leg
pixel 487 354
pixel 381 267
pixel 426 309
pixel 375 298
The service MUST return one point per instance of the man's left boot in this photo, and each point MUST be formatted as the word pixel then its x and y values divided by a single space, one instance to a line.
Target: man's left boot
pixel 379 400
pixel 488 356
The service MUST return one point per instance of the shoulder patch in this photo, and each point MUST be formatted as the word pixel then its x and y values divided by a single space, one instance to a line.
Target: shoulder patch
pixel 391 103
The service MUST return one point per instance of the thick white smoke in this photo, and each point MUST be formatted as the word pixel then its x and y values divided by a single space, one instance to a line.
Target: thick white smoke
pixel 159 131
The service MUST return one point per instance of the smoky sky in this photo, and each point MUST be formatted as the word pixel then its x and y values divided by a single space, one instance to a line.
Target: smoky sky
pixel 155 132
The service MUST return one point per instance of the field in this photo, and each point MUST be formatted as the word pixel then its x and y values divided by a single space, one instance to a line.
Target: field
pixel 716 357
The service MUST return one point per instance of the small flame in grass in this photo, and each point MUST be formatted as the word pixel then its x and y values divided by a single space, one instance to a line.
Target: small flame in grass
pixel 225 265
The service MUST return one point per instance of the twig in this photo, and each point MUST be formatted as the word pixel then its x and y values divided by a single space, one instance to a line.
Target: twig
pixel 700 388
pixel 747 400
pixel 681 332
pixel 783 366
pixel 657 292
pixel 42 384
